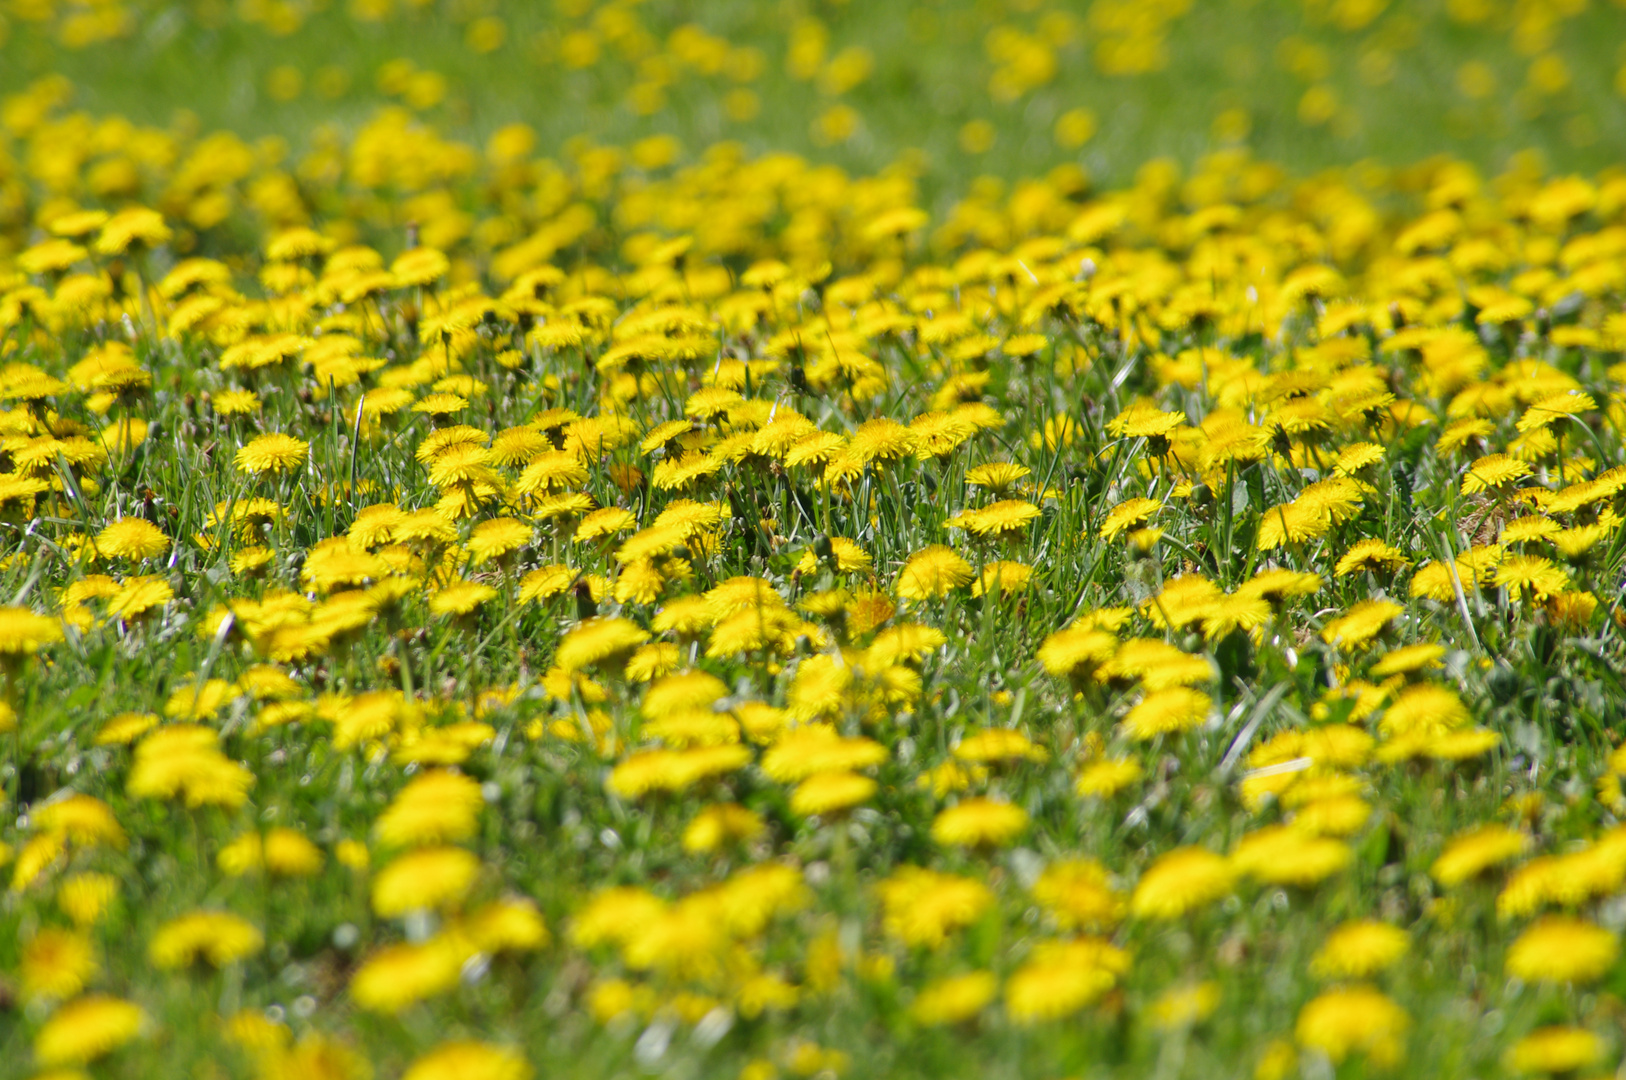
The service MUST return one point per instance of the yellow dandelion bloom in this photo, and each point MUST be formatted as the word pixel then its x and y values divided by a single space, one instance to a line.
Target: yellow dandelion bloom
pixel 1078 893
pixel 1354 1020
pixel 1185 1006
pixel 1493 471
pixel 1062 978
pixel 1076 650
pixel 922 907
pixel 1556 1050
pixel 56 964
pixel 1181 881
pixel 1127 515
pixel 1371 554
pixel 436 807
pixel 435 877
pixel 85 897
pixel 461 598
pixel 1360 624
pixel 955 999
pixel 219 937
pixel 932 572
pixel 23 633
pixel 1169 711
pixel 420 266
pixel 469 1060
pixel 1562 950
pixel 978 822
pixel 831 792
pixel 1104 779
pixel 1283 855
pixel 131 538
pixel 1359 949
pixel 720 824
pixel 87 1028
pixel 599 641
pixel 273 453
pixel 402 975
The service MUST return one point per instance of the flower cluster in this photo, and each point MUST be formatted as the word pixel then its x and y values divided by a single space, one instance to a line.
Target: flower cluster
pixel 473 609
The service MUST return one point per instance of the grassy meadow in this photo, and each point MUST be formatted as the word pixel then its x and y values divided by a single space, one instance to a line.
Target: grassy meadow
pixel 999 538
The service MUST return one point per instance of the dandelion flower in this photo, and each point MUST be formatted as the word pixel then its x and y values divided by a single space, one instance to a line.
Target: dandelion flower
pixel 1181 881
pixel 436 877
pixel 56 964
pixel 1002 520
pixel 132 538
pixel 420 266
pixel 674 770
pixel 134 225
pixel 815 749
pixel 23 633
pixel 883 440
pixel 51 256
pixel 86 1029
pixel 274 453
pixel 1371 554
pixel 830 792
pixel 1539 577
pixel 1104 779
pixel 1424 656
pixel 993 745
pixel 1359 949
pixel 1283 855
pixel 1352 1020
pixel 1363 622
pixel 85 897
pixel 996 476
pixel 1175 709
pixel 719 824
pixel 932 572
pixel 1185 1006
pixel 236 402
pixel 84 819
pixel 219 937
pixel 401 975
pixel 604 522
pixel 1078 894
pixel 1003 578
pixel 978 822
pixel 1492 471
pixel 1076 650
pixel 1558 1050
pixel 138 596
pixel 599 641
pixel 468 1060
pixel 185 761
pixel 1127 515
pixel 461 598
pixel 434 808
pixel 440 404
pixel 1562 950
pixel 954 999
pixel 1061 978
pixel 1425 709
pixel 922 907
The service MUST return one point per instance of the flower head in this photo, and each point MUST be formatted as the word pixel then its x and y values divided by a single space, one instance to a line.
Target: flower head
pixel 132 538
pixel 273 453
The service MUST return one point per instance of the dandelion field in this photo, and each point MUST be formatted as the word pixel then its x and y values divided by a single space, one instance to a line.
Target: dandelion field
pixel 1020 540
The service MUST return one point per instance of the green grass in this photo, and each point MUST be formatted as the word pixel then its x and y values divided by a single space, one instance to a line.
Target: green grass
pixel 1396 79
pixel 550 827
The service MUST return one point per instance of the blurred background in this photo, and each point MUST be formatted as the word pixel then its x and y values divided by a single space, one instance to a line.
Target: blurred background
pixel 954 89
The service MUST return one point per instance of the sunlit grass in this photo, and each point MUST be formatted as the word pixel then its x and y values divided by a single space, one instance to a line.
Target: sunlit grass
pixel 477 604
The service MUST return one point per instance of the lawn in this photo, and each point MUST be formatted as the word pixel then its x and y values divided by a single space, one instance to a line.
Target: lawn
pixel 1003 539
